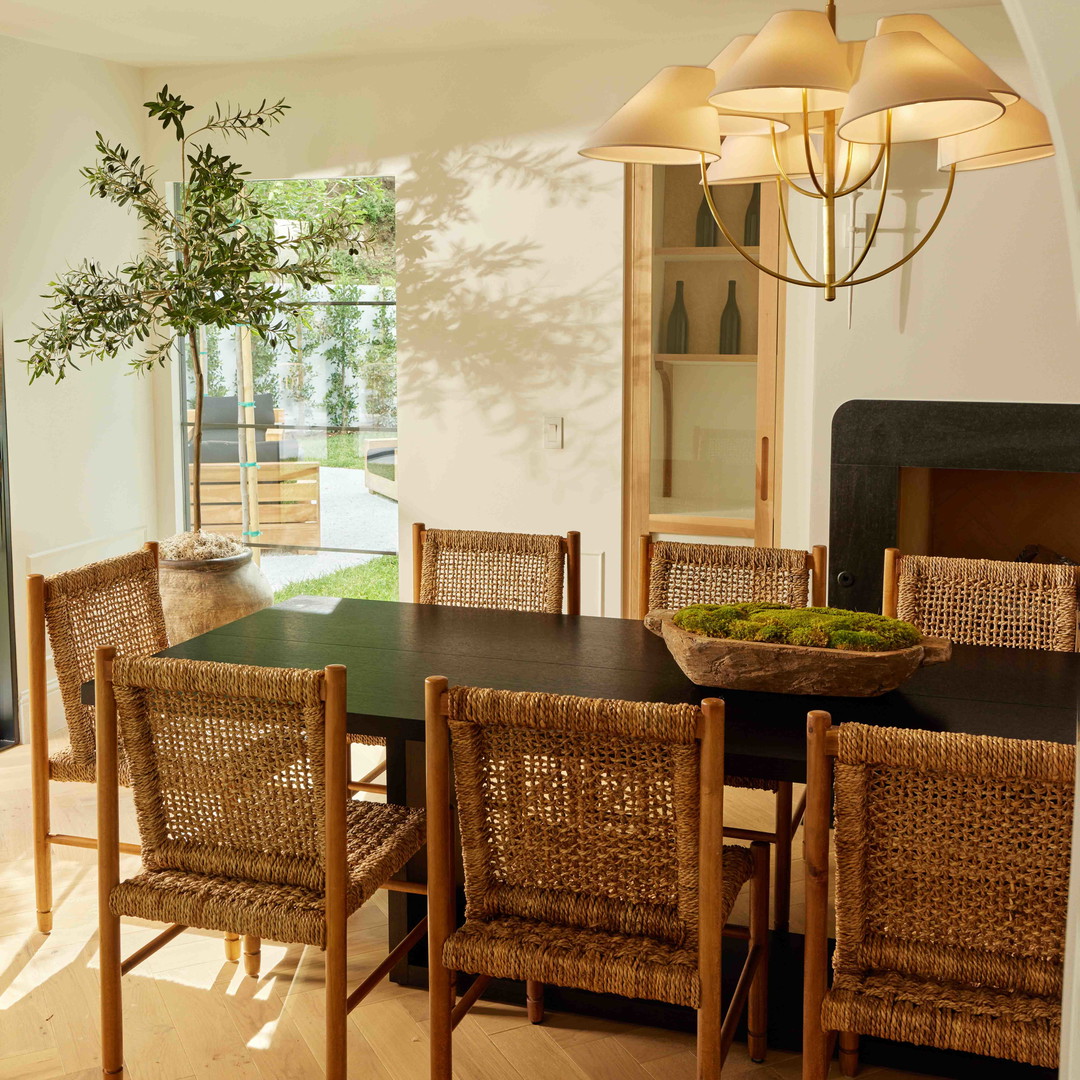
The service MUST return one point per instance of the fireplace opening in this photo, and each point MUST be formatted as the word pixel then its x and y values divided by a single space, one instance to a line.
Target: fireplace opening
pixel 990 514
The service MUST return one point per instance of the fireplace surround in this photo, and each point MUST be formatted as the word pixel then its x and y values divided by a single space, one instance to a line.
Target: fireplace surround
pixel 872 441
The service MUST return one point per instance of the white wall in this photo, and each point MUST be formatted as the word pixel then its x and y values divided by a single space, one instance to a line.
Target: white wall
pixel 510 289
pixel 81 459
pixel 984 312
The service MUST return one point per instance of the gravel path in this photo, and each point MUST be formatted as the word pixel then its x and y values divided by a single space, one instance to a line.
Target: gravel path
pixel 351 517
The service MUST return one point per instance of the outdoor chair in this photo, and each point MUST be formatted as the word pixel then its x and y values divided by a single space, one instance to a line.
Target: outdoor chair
pixel 117 602
pixel 983 601
pixel 507 571
pixel 952 880
pixel 240 782
pixel 675 575
pixel 592 842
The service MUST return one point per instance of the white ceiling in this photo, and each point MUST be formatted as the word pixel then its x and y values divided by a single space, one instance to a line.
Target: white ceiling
pixel 151 32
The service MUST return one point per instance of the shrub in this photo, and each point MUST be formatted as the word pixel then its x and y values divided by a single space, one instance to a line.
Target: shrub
pixel 821 628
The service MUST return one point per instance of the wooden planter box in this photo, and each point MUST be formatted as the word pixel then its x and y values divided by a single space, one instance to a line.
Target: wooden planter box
pixel 288 506
pixel 791 669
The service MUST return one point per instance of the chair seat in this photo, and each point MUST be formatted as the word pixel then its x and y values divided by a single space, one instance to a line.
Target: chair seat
pixel 381 839
pixel 751 783
pixel 366 740
pixel 1007 1024
pixel 67 767
pixel 642 967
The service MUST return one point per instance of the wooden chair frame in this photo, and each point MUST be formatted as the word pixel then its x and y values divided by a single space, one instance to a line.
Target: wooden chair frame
pixel 40 774
pixel 818 1046
pixel 570 545
pixel 789 815
pixel 716 1028
pixel 339 1001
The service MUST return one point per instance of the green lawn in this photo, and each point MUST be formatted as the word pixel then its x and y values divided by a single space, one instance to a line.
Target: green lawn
pixel 374 580
pixel 341 451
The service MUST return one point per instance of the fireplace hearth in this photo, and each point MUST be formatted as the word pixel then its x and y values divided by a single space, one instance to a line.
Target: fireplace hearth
pixel 1006 464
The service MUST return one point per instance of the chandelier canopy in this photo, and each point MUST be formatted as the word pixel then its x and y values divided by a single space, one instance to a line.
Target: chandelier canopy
pixel 794 103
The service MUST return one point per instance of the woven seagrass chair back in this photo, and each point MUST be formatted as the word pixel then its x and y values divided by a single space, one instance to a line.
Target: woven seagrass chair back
pixel 509 571
pixel 984 602
pixel 227 767
pixel 682 574
pixel 113 602
pixel 952 857
pixel 578 812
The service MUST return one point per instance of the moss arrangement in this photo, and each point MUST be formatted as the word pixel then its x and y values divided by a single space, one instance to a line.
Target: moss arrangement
pixel 818 627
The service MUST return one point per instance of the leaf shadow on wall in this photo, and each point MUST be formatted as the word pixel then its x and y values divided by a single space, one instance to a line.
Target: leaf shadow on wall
pixel 483 318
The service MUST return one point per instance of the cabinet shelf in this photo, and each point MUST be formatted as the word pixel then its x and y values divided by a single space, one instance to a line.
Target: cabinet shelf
pixel 706 358
pixel 722 253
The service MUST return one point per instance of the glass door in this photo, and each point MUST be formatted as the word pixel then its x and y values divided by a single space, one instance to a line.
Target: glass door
pixel 299 449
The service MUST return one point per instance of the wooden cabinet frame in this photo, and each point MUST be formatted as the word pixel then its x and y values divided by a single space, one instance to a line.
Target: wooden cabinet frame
pixel 638 339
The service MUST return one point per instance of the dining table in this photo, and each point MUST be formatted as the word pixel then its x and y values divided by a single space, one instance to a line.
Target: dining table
pixel 390 648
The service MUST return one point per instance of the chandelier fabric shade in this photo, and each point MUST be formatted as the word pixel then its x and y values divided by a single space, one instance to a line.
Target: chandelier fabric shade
pixel 733 123
pixel 667 122
pixel 749 159
pixel 795 51
pixel 927 95
pixel 1022 134
pixel 954 49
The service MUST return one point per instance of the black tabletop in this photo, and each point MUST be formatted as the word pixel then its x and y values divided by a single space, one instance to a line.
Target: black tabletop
pixel 390 648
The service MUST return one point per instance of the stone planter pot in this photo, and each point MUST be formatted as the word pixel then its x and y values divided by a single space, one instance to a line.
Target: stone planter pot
pixel 200 595
pixel 791 669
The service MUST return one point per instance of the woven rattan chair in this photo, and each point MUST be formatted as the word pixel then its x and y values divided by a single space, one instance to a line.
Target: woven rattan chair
pixel 982 601
pixel 592 840
pixel 952 881
pixel 508 571
pixel 115 602
pixel 674 575
pixel 240 779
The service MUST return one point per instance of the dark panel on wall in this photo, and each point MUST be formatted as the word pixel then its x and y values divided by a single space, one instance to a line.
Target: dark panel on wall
pixel 862 523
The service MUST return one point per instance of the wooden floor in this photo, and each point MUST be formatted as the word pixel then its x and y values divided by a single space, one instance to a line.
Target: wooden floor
pixel 189 1013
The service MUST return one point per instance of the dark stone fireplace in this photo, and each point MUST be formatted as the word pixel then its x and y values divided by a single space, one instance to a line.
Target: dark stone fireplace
pixel 876 443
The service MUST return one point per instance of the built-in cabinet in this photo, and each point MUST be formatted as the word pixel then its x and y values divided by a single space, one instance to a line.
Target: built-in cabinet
pixel 701 426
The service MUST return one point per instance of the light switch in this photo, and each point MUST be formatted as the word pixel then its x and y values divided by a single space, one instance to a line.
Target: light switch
pixel 553 433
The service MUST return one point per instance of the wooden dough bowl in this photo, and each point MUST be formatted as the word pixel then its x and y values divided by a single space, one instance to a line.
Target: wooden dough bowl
pixel 791 669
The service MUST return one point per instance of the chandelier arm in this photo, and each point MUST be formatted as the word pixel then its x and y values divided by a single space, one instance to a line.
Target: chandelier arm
pixel 872 234
pixel 813 284
pixel 847 168
pixel 787 234
pixel 867 178
pixel 807 149
pixel 780 168
pixel 920 245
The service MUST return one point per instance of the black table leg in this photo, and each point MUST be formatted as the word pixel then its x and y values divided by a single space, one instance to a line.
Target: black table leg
pixel 405 785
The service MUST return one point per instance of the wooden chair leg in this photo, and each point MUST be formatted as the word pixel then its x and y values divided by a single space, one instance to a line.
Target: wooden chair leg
pixel 232 948
pixel 849 1053
pixel 112 1018
pixel 252 955
pixel 534 1000
pixel 757 1009
pixel 782 886
pixel 39 752
pixel 43 890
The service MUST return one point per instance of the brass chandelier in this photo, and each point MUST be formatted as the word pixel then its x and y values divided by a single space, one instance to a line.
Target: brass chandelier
pixel 761 110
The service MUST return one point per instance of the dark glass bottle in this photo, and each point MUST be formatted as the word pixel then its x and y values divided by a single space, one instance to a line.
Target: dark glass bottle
pixel 705 234
pixel 751 232
pixel 730 323
pixel 677 339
